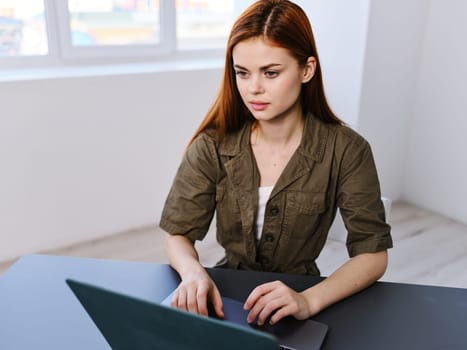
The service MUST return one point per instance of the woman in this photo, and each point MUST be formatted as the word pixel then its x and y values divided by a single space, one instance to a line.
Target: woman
pixel 274 163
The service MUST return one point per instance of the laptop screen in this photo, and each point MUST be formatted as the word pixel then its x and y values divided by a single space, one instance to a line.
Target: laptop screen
pixel 131 323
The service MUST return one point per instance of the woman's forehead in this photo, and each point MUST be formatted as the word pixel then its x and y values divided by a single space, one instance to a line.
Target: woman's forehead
pixel 258 51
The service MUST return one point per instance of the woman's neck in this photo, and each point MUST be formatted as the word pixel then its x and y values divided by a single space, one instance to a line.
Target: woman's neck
pixel 273 144
pixel 279 133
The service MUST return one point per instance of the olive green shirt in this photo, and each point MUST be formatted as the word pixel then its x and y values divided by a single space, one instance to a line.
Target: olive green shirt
pixel 332 168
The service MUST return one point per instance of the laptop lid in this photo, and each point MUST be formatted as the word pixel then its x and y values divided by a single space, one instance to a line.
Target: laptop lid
pixel 291 333
pixel 131 323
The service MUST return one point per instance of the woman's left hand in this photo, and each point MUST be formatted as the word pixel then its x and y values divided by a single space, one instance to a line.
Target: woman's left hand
pixel 275 300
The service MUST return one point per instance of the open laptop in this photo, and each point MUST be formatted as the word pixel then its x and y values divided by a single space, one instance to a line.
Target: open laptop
pixel 291 333
pixel 130 323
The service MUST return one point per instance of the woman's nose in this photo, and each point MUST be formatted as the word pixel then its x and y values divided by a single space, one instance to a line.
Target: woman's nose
pixel 255 85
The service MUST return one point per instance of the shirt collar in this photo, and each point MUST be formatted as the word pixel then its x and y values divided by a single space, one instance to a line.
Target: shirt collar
pixel 312 145
pixel 314 139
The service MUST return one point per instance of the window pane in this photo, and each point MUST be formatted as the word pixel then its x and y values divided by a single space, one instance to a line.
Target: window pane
pixel 205 24
pixel 114 22
pixel 22 28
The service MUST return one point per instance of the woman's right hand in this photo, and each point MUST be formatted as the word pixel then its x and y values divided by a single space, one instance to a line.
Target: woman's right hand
pixel 196 288
pixel 195 291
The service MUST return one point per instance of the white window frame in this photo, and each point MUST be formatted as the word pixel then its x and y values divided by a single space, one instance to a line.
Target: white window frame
pixel 166 45
pixel 61 52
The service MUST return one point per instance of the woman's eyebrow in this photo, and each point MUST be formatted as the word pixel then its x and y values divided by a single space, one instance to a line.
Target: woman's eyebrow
pixel 263 68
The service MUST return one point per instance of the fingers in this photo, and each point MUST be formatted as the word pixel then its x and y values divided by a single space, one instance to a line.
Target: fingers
pixel 269 302
pixel 190 298
pixel 265 309
pixel 217 302
pixel 197 300
pixel 179 299
pixel 201 306
pixel 193 296
pixel 258 292
pixel 263 301
pixel 284 311
pixel 272 301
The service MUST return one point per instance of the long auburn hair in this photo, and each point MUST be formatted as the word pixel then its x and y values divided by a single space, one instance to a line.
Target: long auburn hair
pixel 284 24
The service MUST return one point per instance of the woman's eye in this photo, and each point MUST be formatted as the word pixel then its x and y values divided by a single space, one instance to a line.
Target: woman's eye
pixel 271 74
pixel 241 73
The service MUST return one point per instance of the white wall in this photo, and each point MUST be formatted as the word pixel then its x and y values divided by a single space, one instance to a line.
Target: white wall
pixel 340 29
pixel 414 98
pixel 395 36
pixel 81 158
pixel 436 170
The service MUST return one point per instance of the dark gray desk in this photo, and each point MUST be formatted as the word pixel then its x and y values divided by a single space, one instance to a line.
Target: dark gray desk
pixel 37 310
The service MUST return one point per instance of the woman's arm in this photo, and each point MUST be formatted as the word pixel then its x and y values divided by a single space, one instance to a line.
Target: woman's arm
pixel 196 286
pixel 276 300
pixel 356 274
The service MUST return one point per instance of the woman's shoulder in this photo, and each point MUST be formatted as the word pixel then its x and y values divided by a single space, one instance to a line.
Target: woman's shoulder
pixel 344 134
pixel 203 146
pixel 205 139
pixel 231 137
pixel 207 135
pixel 209 142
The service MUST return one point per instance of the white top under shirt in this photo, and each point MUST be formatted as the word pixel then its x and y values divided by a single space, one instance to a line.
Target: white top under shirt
pixel 263 195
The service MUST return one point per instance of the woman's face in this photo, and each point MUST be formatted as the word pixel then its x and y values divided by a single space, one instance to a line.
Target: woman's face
pixel 269 79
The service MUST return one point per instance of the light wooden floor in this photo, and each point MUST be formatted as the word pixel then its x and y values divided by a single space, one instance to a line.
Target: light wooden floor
pixel 428 249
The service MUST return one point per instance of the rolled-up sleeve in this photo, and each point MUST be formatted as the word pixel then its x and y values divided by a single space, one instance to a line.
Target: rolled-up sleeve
pixel 190 204
pixel 359 200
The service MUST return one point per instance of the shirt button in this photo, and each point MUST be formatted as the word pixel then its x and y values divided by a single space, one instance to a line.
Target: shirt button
pixel 269 237
pixel 274 211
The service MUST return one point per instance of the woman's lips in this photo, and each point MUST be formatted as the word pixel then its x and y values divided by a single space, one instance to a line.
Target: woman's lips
pixel 259 106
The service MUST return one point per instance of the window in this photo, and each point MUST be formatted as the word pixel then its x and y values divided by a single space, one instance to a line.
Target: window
pixel 74 31
pixel 115 28
pixel 22 28
pixel 115 22
pixel 204 23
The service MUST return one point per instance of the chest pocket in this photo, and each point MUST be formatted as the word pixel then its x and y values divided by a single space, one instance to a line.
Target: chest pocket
pixel 228 219
pixel 226 199
pixel 303 213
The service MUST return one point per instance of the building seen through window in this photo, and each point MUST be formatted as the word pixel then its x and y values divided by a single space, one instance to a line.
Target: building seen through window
pixel 114 22
pixel 22 28
pixel 204 23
